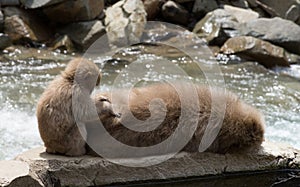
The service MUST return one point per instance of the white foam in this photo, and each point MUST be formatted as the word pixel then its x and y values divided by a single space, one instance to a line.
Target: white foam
pixel 18 132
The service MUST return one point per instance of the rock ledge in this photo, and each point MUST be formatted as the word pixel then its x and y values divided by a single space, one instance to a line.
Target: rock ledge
pixel 38 168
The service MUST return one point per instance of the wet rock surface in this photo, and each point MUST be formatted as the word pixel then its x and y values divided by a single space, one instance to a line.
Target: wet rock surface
pixel 19 24
pixel 55 170
pixel 63 43
pixel 216 27
pixel 276 30
pixel 258 50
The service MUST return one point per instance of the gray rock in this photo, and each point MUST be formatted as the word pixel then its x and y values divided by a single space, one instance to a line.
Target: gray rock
pixel 10 3
pixel 125 22
pixel 235 3
pixel 5 41
pixel 73 11
pixel 217 26
pixel 278 31
pixel 257 50
pixel 19 24
pixel 201 7
pixel 175 13
pixel 242 15
pixel 285 9
pixel 16 174
pixel 39 3
pixel 83 34
pixel 55 170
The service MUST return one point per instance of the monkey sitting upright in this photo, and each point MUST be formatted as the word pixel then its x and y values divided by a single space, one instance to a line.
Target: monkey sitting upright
pixel 65 107
pixel 241 129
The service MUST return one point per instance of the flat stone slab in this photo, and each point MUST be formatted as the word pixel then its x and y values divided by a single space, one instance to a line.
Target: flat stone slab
pixel 16 174
pixel 55 170
pixel 9 170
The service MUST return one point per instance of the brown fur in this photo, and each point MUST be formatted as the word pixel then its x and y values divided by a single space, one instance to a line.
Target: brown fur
pixel 67 101
pixel 242 128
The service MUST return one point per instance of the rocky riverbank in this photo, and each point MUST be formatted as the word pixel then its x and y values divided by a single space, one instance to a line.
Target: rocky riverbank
pixel 257 30
pixel 36 168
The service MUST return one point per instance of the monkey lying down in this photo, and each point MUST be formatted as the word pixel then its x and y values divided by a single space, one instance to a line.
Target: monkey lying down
pixel 242 127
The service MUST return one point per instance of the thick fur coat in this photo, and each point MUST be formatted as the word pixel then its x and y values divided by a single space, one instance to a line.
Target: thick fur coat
pixel 65 107
pixel 241 129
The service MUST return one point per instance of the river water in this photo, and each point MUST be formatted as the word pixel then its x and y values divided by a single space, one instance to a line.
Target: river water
pixel 25 73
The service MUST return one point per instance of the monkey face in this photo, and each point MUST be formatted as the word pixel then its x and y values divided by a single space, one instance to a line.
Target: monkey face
pixel 104 107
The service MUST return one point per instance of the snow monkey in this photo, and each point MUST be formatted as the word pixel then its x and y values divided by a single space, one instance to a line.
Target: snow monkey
pixel 242 128
pixel 66 105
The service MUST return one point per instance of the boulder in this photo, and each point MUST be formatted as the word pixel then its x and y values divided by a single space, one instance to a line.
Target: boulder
pixel 201 7
pixel 288 9
pixel 73 11
pixel 175 13
pixel 278 31
pixel 83 34
pixel 219 25
pixel 16 174
pixel 258 50
pixel 152 8
pixel 235 3
pixel 242 15
pixel 277 160
pixel 63 43
pixel 19 24
pixel 17 29
pixel 125 22
pixel 39 3
pixel 5 41
pixel 216 27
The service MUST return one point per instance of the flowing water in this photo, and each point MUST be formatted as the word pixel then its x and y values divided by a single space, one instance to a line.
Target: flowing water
pixel 25 74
